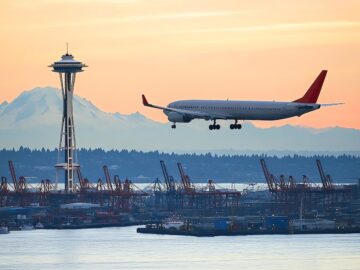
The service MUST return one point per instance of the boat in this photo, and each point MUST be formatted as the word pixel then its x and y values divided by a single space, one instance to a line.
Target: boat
pixel 173 223
pixel 4 230
pixel 317 224
pixel 39 225
pixel 27 227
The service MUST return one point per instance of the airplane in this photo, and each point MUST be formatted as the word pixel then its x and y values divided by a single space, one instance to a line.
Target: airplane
pixel 183 111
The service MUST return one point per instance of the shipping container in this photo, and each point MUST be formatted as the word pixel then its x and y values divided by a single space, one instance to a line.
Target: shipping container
pixel 221 224
pixel 277 223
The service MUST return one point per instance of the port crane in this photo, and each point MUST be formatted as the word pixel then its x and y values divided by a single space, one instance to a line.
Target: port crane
pixel 270 179
pixel 169 180
pixel 84 182
pixel 19 185
pixel 4 190
pixel 108 179
pixel 117 182
pixel 325 179
pixel 185 179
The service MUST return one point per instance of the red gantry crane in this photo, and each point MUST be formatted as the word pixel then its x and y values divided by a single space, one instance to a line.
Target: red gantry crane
pixel 19 185
pixel 270 179
pixel 108 179
pixel 185 179
pixel 169 180
pixel 325 179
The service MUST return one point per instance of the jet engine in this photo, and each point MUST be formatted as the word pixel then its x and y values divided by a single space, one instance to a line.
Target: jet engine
pixel 178 118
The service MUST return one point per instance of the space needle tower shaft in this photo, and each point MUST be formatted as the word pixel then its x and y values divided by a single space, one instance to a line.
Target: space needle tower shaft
pixel 67 68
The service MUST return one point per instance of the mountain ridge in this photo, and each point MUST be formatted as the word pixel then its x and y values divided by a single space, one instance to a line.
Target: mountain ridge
pixel 33 120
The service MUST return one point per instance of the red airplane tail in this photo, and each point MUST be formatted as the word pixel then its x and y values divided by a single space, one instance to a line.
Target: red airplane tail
pixel 311 96
pixel 144 100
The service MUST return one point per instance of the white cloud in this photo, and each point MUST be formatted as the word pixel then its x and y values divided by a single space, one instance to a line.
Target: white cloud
pixel 281 27
pixel 175 16
pixel 135 19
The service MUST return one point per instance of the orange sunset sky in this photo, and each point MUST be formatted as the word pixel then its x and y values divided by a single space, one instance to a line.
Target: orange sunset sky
pixel 178 49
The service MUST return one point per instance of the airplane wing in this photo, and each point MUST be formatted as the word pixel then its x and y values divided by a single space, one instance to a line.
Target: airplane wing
pixel 330 104
pixel 188 113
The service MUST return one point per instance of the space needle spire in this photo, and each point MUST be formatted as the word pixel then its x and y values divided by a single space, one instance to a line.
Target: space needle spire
pixel 67 67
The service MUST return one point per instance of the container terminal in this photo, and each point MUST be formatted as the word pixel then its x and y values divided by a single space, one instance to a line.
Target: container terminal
pixel 183 207
pixel 168 206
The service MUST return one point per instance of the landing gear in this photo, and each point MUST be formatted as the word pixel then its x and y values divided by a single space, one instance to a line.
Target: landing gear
pixel 235 126
pixel 173 125
pixel 214 126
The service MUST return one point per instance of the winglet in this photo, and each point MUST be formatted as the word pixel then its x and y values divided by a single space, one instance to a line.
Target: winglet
pixel 313 92
pixel 144 100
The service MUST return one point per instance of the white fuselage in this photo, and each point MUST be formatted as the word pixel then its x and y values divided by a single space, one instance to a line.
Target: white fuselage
pixel 245 110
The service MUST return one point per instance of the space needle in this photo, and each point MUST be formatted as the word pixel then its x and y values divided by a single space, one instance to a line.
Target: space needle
pixel 67 68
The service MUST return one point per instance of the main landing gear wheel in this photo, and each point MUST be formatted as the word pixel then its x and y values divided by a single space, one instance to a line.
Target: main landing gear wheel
pixel 214 126
pixel 235 126
pixel 173 126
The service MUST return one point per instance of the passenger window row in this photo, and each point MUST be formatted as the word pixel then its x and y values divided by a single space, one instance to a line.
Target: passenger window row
pixel 225 108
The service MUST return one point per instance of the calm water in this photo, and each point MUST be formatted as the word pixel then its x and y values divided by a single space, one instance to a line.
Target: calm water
pixel 123 248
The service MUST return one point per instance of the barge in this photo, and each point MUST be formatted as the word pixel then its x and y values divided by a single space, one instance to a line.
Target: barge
pixel 208 227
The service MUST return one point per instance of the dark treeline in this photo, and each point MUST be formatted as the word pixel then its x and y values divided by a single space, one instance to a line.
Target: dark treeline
pixel 144 166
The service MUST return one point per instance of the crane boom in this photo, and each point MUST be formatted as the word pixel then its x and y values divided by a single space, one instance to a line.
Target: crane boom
pixel 13 175
pixel 169 181
pixel 166 175
pixel 117 182
pixel 107 177
pixel 325 179
pixel 81 180
pixel 269 178
pixel 184 178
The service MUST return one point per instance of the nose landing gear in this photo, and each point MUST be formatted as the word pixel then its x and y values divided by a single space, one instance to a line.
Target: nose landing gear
pixel 173 125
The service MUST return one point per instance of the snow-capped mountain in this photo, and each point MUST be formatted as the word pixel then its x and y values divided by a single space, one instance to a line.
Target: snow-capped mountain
pixel 33 119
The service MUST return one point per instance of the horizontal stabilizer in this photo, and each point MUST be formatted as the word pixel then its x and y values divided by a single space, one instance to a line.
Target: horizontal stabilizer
pixel 331 104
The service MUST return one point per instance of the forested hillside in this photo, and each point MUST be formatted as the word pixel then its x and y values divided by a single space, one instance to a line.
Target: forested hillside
pixel 145 167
